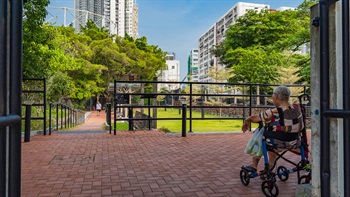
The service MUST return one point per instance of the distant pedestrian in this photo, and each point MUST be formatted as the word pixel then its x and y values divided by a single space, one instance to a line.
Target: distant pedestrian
pixel 98 107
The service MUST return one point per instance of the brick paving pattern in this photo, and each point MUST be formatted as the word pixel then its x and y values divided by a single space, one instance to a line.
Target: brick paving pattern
pixel 138 163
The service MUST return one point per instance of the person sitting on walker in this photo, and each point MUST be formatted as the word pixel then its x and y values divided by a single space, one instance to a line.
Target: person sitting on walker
pixel 282 122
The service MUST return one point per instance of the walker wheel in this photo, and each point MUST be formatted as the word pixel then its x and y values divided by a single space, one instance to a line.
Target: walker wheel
pixel 282 173
pixel 304 179
pixel 270 189
pixel 245 179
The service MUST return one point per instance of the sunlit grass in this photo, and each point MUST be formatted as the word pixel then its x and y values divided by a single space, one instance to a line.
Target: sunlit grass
pixel 121 126
pixel 197 125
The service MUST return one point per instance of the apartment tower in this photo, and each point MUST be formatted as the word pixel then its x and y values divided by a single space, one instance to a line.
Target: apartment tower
pixel 119 17
pixel 192 67
pixel 216 34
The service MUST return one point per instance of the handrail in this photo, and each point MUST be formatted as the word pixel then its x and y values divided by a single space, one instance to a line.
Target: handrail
pixel 6 121
pixel 245 96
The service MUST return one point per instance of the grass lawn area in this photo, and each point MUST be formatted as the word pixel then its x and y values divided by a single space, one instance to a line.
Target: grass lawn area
pixel 197 125
pixel 121 126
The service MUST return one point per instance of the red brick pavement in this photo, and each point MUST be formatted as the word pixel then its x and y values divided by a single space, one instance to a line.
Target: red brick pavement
pixel 138 163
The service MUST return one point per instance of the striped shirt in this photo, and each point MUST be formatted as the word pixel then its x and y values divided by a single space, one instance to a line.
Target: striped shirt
pixel 283 119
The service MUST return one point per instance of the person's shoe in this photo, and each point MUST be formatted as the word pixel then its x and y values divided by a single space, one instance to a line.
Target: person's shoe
pixel 249 168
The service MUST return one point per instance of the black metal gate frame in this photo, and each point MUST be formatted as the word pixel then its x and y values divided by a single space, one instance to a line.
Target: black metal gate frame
pixel 249 106
pixel 11 13
pixel 326 112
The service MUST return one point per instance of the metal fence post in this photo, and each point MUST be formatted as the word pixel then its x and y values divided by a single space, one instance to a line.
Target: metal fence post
pixel 27 123
pixel 57 116
pixel 65 116
pixel 131 124
pixel 108 117
pixel 183 120
pixel 61 116
pixel 50 108
pixel 68 117
pixel 73 117
pixel 149 113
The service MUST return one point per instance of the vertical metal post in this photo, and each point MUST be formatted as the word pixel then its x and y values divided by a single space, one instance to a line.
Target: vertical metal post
pixel 3 94
pixel 131 124
pixel 74 117
pixel 155 110
pixel 50 108
pixel 346 93
pixel 27 123
pixel 324 99
pixel 202 101
pixel 190 130
pixel 65 116
pixel 183 120
pixel 3 160
pixel 108 117
pixel 244 102
pixel 149 113
pixel 61 116
pixel 44 106
pixel 15 87
pixel 115 107
pixel 69 111
pixel 57 116
pixel 250 99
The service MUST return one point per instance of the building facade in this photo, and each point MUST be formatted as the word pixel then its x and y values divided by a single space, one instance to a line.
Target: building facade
pixel 119 17
pixel 171 74
pixel 192 66
pixel 216 34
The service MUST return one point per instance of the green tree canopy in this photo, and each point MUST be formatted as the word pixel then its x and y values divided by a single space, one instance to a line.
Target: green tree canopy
pixel 81 65
pixel 260 42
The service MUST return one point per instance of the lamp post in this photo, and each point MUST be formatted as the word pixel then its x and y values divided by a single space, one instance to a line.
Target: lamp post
pixel 183 100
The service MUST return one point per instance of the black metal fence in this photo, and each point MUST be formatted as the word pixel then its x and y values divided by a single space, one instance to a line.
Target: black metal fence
pixel 34 95
pixel 62 116
pixel 235 100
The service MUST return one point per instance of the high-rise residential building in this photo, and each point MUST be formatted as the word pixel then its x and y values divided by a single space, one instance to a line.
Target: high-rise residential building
pixel 172 73
pixel 88 9
pixel 119 17
pixel 192 67
pixel 216 34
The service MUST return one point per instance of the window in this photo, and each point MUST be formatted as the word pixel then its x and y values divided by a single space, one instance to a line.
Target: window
pixel 173 67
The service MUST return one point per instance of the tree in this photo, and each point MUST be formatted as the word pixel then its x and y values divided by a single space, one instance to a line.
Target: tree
pixel 253 64
pixel 262 41
pixel 289 75
pixel 221 75
pixel 35 52
pixel 70 61
pixel 81 65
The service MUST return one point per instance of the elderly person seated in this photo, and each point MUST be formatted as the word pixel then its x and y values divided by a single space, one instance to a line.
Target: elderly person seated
pixel 282 122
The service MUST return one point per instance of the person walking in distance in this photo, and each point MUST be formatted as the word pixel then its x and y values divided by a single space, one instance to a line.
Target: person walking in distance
pixel 98 107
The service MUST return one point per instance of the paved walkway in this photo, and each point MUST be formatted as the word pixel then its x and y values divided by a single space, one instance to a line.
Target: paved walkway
pixel 86 161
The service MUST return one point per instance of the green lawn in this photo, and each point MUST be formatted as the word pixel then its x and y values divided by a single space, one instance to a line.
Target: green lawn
pixel 197 125
pixel 121 126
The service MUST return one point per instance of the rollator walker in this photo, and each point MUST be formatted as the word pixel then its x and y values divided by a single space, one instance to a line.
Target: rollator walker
pixel 298 146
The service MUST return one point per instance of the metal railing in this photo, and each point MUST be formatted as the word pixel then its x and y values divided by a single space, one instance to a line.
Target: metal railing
pixel 247 98
pixel 65 116
pixel 41 91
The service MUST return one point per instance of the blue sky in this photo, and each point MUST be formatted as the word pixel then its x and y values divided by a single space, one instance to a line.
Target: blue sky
pixel 176 25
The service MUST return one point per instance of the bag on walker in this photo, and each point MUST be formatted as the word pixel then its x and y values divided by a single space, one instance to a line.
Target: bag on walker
pixel 254 146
